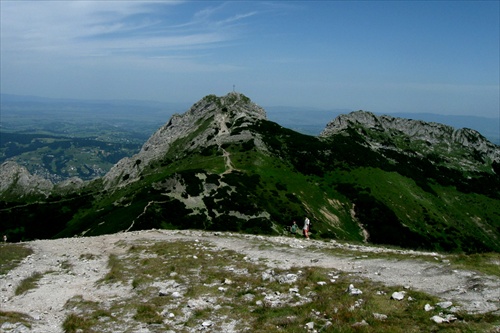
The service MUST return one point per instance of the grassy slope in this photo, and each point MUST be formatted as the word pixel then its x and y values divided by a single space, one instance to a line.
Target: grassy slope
pixel 397 204
pixel 449 219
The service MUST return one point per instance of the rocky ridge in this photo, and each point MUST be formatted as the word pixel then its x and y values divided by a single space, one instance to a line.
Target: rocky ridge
pixel 435 138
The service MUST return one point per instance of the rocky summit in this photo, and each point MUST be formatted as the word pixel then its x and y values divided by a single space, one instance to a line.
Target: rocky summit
pixel 206 123
pixel 223 166
pixel 471 151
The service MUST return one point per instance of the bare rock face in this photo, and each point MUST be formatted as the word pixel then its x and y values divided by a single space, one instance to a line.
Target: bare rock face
pixel 70 185
pixel 17 180
pixel 208 122
pixel 430 138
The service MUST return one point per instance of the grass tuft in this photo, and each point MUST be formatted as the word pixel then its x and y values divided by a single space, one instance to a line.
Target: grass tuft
pixel 15 317
pixel 11 255
pixel 146 313
pixel 28 283
pixel 75 323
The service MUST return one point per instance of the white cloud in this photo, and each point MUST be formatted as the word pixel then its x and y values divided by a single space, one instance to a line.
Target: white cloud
pixel 80 28
pixel 236 18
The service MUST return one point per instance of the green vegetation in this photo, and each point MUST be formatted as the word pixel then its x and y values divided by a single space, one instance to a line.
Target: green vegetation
pixel 74 323
pixel 11 255
pixel 64 156
pixel 260 177
pixel 28 283
pixel 15 317
pixel 487 263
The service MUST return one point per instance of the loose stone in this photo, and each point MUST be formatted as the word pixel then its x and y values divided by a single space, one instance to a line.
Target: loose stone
pixel 353 291
pixel 398 295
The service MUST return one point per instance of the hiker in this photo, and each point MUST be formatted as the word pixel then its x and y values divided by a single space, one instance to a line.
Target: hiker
pixel 5 238
pixel 294 228
pixel 305 230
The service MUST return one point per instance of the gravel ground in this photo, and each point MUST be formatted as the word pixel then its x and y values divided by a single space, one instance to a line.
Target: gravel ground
pixel 474 292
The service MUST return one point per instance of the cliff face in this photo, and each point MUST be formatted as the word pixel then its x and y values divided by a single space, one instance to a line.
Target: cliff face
pixel 462 148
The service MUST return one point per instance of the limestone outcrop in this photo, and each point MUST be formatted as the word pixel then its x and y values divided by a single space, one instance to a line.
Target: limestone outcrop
pixel 16 180
pixel 464 147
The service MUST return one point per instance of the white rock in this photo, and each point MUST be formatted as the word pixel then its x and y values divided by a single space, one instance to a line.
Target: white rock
pixel 398 295
pixel 268 275
pixel 288 278
pixel 428 308
pixel 450 317
pixel 321 283
pixel 438 319
pixel 310 325
pixel 444 305
pixel 361 323
pixel 353 291
pixel 379 316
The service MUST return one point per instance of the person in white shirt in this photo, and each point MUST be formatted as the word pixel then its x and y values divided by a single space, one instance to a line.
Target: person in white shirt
pixel 305 230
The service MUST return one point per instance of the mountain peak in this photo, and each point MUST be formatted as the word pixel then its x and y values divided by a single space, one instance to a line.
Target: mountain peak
pixel 232 102
pixel 212 120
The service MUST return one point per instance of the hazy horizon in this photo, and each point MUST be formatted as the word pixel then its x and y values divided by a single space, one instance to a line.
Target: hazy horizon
pixel 439 57
pixel 307 120
pixel 187 105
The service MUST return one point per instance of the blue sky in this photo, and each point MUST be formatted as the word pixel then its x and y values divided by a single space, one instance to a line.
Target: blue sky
pixel 382 56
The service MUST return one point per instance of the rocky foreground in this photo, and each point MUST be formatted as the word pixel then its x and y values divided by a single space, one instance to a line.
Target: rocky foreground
pixel 74 267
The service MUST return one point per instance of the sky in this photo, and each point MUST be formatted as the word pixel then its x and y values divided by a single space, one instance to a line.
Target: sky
pixel 382 56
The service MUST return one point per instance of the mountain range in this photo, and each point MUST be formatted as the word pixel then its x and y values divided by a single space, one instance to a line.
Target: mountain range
pixel 222 165
pixel 20 111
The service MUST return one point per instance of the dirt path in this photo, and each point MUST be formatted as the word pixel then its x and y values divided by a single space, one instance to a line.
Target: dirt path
pixel 475 292
pixel 221 119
